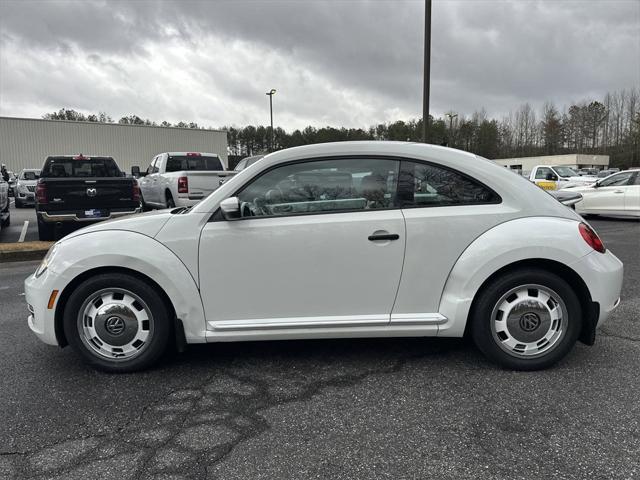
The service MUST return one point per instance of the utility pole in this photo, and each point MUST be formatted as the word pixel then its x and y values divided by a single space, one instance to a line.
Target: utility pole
pixel 271 93
pixel 427 69
pixel 451 116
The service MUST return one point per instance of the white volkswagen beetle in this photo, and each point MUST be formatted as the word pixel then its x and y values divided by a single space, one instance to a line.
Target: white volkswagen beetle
pixel 362 239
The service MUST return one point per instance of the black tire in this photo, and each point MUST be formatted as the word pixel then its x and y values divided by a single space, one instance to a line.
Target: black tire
pixel 46 231
pixel 18 203
pixel 490 296
pixel 170 202
pixel 160 329
pixel 7 221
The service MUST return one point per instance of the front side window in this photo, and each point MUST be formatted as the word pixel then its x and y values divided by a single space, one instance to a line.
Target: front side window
pixel 333 185
pixel 426 185
pixel 542 172
pixel 151 165
pixel 617 180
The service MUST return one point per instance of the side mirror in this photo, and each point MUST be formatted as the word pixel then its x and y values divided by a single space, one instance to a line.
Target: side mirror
pixel 135 171
pixel 230 208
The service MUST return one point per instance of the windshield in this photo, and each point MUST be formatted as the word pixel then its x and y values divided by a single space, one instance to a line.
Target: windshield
pixel 33 175
pixel 193 162
pixel 566 171
pixel 80 167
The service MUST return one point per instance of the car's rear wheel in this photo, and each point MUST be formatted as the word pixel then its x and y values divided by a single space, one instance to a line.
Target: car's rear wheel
pixel 117 322
pixel 18 203
pixel 527 319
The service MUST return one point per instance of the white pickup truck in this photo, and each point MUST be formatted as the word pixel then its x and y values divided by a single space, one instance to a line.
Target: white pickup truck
pixel 555 177
pixel 180 179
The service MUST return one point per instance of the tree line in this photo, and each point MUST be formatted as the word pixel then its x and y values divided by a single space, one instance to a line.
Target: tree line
pixel 608 126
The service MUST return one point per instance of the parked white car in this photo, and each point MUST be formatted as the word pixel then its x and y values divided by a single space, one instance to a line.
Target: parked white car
pixel 617 194
pixel 556 177
pixel 25 189
pixel 180 179
pixel 354 239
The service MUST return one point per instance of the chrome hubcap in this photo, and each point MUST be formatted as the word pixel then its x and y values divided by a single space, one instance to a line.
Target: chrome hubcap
pixel 115 323
pixel 529 321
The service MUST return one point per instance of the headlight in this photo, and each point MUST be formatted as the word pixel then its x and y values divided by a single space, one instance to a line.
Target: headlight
pixel 46 260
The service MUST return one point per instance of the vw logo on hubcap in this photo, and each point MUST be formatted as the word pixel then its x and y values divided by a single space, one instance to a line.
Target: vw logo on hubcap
pixel 529 322
pixel 114 325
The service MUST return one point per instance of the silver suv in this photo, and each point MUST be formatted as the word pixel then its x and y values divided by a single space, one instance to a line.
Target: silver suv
pixel 25 189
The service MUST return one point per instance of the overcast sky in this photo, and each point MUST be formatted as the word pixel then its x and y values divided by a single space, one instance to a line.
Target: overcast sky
pixel 339 63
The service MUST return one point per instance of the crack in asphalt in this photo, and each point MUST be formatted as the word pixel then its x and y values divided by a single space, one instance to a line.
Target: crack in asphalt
pixel 184 425
pixel 605 333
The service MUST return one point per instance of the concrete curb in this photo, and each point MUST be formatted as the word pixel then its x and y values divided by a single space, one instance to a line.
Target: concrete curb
pixel 21 252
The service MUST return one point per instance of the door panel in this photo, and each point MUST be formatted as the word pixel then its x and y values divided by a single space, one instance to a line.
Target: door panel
pixel 306 267
pixel 632 198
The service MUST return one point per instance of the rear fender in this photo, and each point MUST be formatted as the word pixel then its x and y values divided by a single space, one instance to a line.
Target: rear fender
pixel 548 238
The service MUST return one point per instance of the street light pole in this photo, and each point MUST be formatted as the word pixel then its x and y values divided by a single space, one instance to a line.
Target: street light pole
pixel 427 68
pixel 271 93
pixel 451 116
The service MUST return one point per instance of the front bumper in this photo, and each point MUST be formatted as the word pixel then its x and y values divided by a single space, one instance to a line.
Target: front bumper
pixel 602 273
pixel 73 217
pixel 41 320
pixel 26 197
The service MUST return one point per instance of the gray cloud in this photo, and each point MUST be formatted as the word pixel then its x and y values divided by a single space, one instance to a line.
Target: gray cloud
pixel 333 62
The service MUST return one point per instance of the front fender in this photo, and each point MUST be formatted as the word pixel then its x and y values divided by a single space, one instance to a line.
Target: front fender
pixel 549 238
pixel 138 252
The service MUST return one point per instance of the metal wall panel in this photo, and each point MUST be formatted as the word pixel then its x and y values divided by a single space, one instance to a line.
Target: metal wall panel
pixel 25 142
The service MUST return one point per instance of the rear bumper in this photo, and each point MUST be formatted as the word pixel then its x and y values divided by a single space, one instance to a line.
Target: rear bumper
pixel 73 217
pixel 602 273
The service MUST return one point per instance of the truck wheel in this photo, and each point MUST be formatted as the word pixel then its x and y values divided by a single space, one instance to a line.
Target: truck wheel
pixel 18 203
pixel 527 319
pixel 117 323
pixel 170 203
pixel 45 231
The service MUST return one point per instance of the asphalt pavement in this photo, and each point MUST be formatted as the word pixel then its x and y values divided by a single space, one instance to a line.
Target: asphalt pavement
pixel 18 218
pixel 384 408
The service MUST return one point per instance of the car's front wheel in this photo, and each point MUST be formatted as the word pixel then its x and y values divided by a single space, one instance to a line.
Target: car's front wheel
pixel 117 322
pixel 527 319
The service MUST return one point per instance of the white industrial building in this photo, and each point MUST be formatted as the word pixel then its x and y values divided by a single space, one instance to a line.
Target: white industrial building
pixel 26 142
pixel 576 160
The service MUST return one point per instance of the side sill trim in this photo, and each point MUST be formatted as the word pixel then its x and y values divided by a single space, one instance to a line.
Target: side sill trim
pixel 350 321
pixel 418 319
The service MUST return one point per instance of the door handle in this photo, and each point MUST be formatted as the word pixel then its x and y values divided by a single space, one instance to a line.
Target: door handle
pixel 618 191
pixel 384 236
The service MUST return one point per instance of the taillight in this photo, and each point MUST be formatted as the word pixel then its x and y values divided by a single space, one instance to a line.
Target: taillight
pixel 591 238
pixel 135 192
pixel 41 192
pixel 193 154
pixel 183 185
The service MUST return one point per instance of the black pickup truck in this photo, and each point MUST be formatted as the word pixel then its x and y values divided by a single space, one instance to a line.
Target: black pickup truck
pixel 74 191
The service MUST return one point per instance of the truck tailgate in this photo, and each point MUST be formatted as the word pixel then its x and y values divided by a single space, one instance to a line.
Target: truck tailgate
pixel 79 194
pixel 202 183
